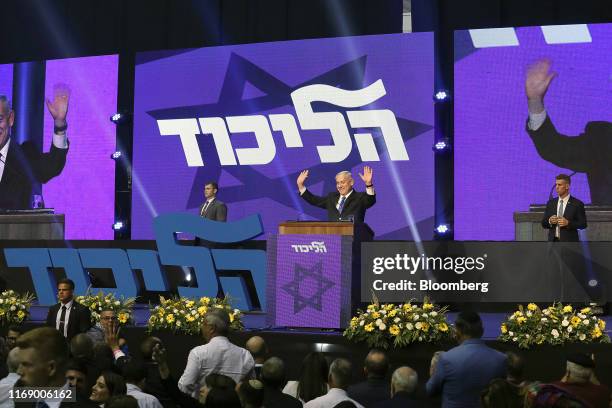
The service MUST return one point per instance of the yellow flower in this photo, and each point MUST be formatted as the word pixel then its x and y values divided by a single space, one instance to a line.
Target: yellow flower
pixel 504 329
pixel 596 333
pixel 371 308
pixel 152 319
pixel 388 307
pixel 190 303
pixel 231 317
pixel 21 314
pixel 575 320
pixel 407 307
pixel 375 315
pixel 170 318
pixel 443 327
pixel 427 306
pixel 521 319
pixel 517 313
pixel 161 311
pixel 205 300
pixel 567 309
pixel 369 327
pixel 585 310
pixel 190 318
pixel 392 313
pixel 425 326
pixel 394 330
pixel 123 317
pixel 202 310
pixel 601 324
pixel 1 312
pixel 354 322
pixel 532 307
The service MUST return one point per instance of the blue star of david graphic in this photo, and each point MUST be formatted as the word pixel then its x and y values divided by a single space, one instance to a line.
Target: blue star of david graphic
pixel 300 273
pixel 240 71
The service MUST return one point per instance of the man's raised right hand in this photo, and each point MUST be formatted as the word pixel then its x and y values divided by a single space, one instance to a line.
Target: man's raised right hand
pixel 537 82
pixel 301 179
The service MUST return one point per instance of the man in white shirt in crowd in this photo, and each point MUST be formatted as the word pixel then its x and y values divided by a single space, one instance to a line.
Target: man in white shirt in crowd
pixel 135 373
pixel 219 355
pixel 339 379
pixel 7 383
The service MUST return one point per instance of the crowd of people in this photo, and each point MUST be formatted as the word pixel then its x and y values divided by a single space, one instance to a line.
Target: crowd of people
pixel 97 366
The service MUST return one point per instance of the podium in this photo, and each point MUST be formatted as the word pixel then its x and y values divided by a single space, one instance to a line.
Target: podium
pixel 528 224
pixel 314 273
pixel 32 226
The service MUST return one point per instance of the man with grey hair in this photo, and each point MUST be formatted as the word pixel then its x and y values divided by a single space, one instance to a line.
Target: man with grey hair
pixel 345 204
pixel 22 165
pixel 403 388
pixel 274 378
pixel 339 379
pixel 8 382
pixel 219 355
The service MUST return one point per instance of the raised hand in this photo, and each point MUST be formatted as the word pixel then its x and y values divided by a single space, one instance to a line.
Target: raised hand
pixel 159 356
pixel 302 178
pixel 111 334
pixel 367 175
pixel 58 108
pixel 537 82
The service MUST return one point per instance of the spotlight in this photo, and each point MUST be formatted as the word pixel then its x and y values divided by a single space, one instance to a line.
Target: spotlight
pixel 116 155
pixel 442 95
pixel 593 283
pixel 118 226
pixel 188 277
pixel 442 146
pixel 442 229
pixel 119 118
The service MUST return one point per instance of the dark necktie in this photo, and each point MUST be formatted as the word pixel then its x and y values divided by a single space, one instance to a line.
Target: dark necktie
pixel 341 205
pixel 62 321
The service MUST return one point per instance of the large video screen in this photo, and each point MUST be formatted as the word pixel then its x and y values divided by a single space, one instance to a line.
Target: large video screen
pixel 84 189
pixel 499 167
pixel 252 117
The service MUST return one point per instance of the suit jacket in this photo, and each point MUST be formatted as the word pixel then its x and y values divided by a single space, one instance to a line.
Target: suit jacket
pixel 79 320
pixel 24 166
pixel 464 371
pixel 371 391
pixel 356 205
pixel 573 212
pixel 274 398
pixel 216 211
pixel 587 153
pixel 401 400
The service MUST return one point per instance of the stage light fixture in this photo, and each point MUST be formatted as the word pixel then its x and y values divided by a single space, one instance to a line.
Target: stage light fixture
pixel 119 118
pixel 442 229
pixel 118 226
pixel 442 95
pixel 116 155
pixel 593 283
pixel 442 145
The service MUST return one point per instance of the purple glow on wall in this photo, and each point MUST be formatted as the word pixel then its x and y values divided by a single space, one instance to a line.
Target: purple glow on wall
pixel 85 191
pixel 497 168
pixel 6 80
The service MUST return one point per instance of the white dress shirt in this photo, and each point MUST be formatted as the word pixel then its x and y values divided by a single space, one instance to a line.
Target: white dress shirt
pixel 559 201
pixel 536 120
pixel 333 397
pixel 144 400
pixel 219 356
pixel 340 199
pixel 66 318
pixel 7 384
pixel 59 141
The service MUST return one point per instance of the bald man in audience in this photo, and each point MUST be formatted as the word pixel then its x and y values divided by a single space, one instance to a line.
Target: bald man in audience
pixel 259 350
pixel 376 387
pixel 403 390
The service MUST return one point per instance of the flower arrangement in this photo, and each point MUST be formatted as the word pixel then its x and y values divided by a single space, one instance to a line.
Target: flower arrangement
pixel 14 308
pixel 554 325
pixel 400 325
pixel 186 315
pixel 96 303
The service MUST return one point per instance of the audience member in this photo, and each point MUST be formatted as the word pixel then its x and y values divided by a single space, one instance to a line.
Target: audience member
pixel 153 383
pixel 122 401
pixel 12 335
pixel 251 394
pixel 375 388
pixel 96 332
pixel 578 387
pixel 312 382
pixel 219 355
pixel 68 316
pixel 403 389
pixel 76 376
pixel 108 385
pixel 339 380
pixel 463 372
pixel 134 374
pixel 273 377
pixel 259 350
pixel 516 368
pixel 8 382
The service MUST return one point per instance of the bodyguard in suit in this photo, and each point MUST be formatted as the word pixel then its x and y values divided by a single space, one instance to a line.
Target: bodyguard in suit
pixel 212 208
pixel 68 316
pixel 21 165
pixel 346 203
pixel 564 215
pixel 464 371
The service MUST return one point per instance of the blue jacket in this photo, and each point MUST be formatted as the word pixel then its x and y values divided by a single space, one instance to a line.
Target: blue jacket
pixel 464 371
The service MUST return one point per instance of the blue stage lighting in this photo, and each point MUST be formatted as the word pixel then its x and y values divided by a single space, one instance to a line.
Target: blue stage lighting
pixel 442 95
pixel 116 155
pixel 118 226
pixel 442 229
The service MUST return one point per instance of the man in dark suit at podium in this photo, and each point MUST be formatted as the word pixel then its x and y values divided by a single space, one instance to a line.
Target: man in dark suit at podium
pixel 68 316
pixel 21 165
pixel 346 203
pixel 213 209
pixel 564 215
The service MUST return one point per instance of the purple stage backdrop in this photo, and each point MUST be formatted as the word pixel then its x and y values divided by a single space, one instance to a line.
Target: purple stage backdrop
pixel 376 92
pixel 6 80
pixel 85 190
pixel 497 168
